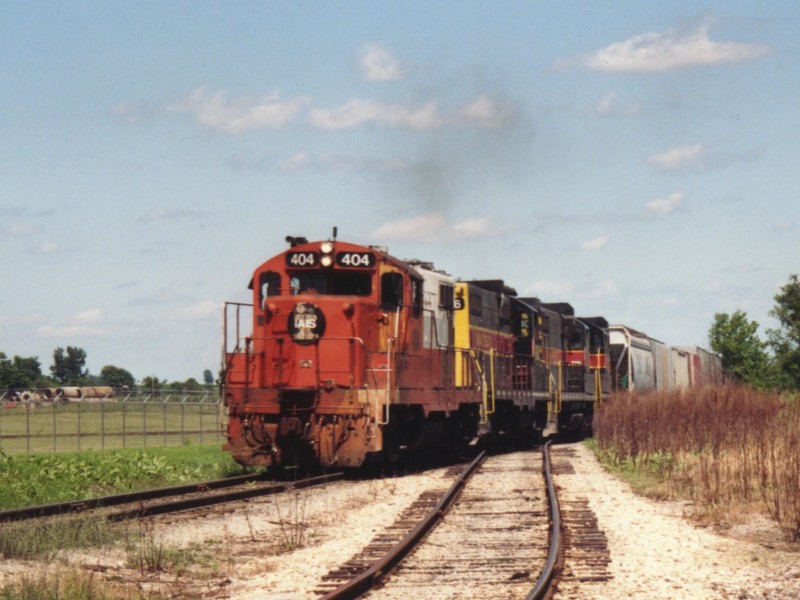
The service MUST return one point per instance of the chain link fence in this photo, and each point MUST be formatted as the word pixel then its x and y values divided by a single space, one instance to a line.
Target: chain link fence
pixel 119 419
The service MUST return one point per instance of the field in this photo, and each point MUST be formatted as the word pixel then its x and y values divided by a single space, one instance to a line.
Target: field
pixel 75 426
pixel 732 450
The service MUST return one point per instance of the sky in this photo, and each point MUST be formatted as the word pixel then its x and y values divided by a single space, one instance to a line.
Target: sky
pixel 637 159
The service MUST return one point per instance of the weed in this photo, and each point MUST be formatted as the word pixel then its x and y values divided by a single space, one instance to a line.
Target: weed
pixel 44 539
pixel 714 445
pixel 58 586
pixel 292 520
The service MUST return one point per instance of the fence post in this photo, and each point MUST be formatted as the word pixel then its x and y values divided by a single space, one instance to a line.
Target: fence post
pixel 78 402
pixel 55 437
pixel 28 428
pixel 183 423
pixel 102 425
pixel 144 423
pixel 164 420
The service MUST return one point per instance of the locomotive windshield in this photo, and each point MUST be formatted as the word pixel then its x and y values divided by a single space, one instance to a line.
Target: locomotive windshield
pixel 331 283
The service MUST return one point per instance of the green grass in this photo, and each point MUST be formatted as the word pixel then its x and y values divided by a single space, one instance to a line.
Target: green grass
pixel 71 426
pixel 29 479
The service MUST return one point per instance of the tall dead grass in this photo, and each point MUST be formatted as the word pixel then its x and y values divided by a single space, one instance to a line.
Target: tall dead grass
pixel 717 445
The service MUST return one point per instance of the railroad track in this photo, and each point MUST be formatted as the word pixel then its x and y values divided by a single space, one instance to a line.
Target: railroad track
pixel 172 499
pixel 494 543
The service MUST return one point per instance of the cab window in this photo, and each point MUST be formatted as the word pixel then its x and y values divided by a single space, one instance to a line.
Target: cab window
pixel 391 290
pixel 269 284
pixel 336 283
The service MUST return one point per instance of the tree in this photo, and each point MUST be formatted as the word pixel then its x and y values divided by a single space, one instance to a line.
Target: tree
pixel 19 372
pixel 152 383
pixel 116 377
pixel 785 342
pixel 208 377
pixel 735 339
pixel 69 368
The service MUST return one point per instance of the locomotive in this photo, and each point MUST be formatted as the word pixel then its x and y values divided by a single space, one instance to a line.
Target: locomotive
pixel 354 356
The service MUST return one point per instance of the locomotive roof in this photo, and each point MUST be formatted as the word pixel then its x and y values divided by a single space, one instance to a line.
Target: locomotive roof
pixel 600 322
pixel 562 308
pixel 494 285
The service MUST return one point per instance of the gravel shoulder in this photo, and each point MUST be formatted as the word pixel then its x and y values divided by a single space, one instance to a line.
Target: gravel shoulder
pixel 656 552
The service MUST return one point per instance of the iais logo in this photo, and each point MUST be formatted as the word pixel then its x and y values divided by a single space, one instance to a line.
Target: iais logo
pixel 306 323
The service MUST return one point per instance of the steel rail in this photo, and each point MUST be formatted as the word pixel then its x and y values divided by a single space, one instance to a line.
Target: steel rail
pixel 74 506
pixel 212 499
pixel 542 586
pixel 383 566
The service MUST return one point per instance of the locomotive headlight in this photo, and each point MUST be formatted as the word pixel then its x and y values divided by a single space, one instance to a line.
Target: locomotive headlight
pixel 326 248
pixel 326 260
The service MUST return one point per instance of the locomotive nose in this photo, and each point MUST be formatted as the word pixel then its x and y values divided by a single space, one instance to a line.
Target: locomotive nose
pixel 306 323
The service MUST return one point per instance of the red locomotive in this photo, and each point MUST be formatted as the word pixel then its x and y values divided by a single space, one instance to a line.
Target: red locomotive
pixel 355 355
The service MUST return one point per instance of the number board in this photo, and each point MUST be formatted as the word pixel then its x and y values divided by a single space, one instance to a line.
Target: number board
pixel 302 260
pixel 355 260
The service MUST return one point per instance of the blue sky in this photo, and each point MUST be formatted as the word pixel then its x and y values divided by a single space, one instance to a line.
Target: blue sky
pixel 637 159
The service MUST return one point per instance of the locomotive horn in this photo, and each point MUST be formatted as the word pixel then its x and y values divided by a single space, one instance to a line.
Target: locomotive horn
pixel 295 240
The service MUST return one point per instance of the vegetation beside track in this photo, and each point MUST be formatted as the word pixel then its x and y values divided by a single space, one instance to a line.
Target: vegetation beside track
pixel 729 449
pixel 32 479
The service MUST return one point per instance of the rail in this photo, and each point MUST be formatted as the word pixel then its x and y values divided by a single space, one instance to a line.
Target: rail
pixel 542 586
pixel 199 492
pixel 369 578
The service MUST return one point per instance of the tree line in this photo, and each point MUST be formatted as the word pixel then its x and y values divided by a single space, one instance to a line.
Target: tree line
pixel 773 363
pixel 69 369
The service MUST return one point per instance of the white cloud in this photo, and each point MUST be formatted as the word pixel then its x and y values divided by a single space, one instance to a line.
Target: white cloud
pixel 335 163
pixel 668 50
pixel 486 113
pixel 47 248
pixel 240 114
pixel 94 315
pixel 699 157
pixel 607 106
pixel 595 244
pixel 82 324
pixel 665 206
pixel 21 229
pixel 410 229
pixel 472 228
pixel 682 157
pixel 359 112
pixel 435 228
pixel 379 64
pixel 482 112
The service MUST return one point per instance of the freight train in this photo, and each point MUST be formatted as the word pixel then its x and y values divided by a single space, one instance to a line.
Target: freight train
pixel 348 355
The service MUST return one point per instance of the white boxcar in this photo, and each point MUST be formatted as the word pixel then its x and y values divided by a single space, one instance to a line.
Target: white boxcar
pixel 681 373
pixel 633 358
pixel 662 358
